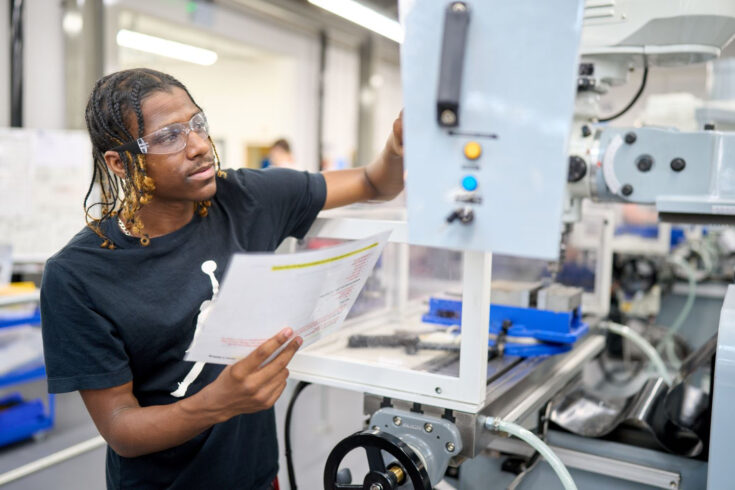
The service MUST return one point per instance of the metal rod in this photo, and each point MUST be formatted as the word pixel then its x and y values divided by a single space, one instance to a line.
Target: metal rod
pixel 53 459
pixel 16 63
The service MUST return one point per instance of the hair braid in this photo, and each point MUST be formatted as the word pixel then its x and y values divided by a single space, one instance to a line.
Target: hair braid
pixel 115 100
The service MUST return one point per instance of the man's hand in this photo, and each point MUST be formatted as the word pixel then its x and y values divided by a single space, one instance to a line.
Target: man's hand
pixel 246 387
pixel 382 179
pixel 395 142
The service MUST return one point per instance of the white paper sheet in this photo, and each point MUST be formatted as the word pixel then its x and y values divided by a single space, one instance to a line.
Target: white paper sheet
pixel 311 292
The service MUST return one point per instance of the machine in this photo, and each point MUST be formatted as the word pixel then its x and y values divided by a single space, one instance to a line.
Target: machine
pixel 504 142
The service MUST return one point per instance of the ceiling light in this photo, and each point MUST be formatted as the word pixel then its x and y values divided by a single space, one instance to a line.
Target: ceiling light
pixel 165 47
pixel 364 16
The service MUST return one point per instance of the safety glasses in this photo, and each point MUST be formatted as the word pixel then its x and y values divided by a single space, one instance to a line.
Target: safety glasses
pixel 169 139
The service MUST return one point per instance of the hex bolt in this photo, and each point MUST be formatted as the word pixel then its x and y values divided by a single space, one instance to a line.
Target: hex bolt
pixel 450 447
pixel 630 138
pixel 459 7
pixel 397 420
pixel 428 427
pixel 448 117
pixel 678 164
pixel 627 190
pixel 375 427
pixel 376 486
pixel 644 163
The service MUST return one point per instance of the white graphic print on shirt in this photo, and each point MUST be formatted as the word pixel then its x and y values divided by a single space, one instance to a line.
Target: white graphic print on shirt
pixel 208 268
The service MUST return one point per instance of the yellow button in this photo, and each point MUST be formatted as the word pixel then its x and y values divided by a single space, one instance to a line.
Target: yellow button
pixel 472 150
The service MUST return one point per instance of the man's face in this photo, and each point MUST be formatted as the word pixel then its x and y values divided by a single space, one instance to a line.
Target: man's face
pixel 188 175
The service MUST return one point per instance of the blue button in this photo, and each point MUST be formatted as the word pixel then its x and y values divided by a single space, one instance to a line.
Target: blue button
pixel 469 183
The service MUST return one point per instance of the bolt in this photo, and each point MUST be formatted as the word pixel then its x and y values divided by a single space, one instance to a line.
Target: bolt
pixel 630 138
pixel 428 427
pixel 438 390
pixel 459 7
pixel 375 427
pixel 448 117
pixel 627 190
pixel 376 486
pixel 450 447
pixel 586 131
pixel 678 164
pixel 644 163
pixel 397 420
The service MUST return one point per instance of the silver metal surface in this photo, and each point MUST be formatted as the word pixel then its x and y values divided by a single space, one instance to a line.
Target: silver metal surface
pixel 516 390
pixel 600 465
pixel 435 446
pixel 525 397
pixel 618 469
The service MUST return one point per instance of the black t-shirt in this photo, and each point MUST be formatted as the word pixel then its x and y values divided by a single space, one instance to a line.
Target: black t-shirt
pixel 129 314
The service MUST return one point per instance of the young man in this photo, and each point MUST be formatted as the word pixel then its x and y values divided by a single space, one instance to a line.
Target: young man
pixel 121 302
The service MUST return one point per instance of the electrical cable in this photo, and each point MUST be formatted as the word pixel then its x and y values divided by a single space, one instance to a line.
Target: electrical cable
pixel 287 433
pixel 632 102
pixel 499 425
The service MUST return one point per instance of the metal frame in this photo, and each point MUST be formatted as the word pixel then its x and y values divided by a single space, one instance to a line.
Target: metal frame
pixel 465 392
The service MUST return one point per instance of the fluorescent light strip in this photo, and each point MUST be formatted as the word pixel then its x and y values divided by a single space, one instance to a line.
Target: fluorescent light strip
pixel 164 47
pixel 364 16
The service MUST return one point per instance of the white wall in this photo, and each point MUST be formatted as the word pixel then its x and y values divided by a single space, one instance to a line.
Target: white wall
pixel 389 100
pixel 43 72
pixel 245 102
pixel 297 113
pixel 4 63
pixel 687 79
pixel 341 89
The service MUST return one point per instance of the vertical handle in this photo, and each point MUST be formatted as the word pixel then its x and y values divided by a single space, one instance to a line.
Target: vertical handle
pixel 454 42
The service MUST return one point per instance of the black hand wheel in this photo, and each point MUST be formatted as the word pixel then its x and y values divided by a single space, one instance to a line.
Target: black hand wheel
pixel 409 469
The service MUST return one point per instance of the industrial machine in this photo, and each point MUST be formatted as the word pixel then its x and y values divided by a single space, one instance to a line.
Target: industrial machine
pixel 500 156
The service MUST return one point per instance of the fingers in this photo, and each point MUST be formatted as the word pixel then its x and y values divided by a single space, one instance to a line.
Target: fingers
pixel 398 134
pixel 277 392
pixel 281 360
pixel 249 364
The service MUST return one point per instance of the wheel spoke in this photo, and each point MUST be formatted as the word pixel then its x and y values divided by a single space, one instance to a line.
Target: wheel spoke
pixel 375 459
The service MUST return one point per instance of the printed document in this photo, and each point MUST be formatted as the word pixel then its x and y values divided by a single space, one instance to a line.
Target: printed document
pixel 311 292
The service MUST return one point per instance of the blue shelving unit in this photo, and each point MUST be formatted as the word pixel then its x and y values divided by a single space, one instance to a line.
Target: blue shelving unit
pixel 21 419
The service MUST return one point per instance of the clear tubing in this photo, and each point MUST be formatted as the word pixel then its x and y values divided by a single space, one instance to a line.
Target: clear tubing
pixel 667 341
pixel 645 346
pixel 495 424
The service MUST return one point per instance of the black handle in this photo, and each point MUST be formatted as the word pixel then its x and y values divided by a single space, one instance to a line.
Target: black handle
pixel 454 43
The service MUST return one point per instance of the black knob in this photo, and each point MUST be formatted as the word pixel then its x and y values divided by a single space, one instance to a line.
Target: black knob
pixel 678 164
pixel 586 69
pixel 577 169
pixel 630 138
pixel 627 190
pixel 586 131
pixel 709 127
pixel 644 163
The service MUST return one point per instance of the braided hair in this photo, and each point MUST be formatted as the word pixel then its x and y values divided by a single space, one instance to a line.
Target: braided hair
pixel 114 100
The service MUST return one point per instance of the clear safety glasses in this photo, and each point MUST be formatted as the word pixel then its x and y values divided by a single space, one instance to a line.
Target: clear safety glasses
pixel 169 139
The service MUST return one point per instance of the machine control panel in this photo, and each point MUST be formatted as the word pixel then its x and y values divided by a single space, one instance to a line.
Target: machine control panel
pixel 486 134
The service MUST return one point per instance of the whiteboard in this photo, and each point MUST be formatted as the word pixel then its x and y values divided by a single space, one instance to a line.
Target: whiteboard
pixel 44 175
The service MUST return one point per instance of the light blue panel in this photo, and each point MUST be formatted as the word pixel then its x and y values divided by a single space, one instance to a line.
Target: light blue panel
pixel 705 186
pixel 722 439
pixel 519 81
